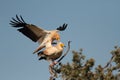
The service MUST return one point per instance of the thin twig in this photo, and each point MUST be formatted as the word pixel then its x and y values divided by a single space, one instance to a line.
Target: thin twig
pixel 65 53
pixel 108 63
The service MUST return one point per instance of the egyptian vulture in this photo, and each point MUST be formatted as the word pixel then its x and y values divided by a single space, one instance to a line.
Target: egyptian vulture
pixel 52 53
pixel 35 33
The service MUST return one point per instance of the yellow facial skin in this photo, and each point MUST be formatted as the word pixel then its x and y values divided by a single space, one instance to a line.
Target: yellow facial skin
pixel 62 45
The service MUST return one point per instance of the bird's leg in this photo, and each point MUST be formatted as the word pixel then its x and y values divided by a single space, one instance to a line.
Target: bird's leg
pixel 53 63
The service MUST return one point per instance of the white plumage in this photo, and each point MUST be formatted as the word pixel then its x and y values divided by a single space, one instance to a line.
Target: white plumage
pixel 52 53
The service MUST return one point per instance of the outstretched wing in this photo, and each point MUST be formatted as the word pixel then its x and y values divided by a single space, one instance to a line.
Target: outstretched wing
pixel 29 30
pixel 62 28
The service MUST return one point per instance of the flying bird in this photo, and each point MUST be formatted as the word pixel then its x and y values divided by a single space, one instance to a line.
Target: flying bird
pixel 52 53
pixel 37 34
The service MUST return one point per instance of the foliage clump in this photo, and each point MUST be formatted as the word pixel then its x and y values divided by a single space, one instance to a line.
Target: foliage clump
pixel 82 69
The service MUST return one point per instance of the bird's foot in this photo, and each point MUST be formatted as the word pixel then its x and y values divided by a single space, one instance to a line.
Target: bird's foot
pixel 53 63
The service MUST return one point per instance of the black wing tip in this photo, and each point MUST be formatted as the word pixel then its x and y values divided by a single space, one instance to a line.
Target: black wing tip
pixel 18 21
pixel 63 27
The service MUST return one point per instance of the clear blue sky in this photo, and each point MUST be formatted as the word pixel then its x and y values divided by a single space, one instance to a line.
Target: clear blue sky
pixel 93 25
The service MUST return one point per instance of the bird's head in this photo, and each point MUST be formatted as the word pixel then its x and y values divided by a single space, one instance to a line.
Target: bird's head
pixel 56 37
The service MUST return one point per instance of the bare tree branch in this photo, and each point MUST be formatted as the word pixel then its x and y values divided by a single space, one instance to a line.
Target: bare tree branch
pixel 65 53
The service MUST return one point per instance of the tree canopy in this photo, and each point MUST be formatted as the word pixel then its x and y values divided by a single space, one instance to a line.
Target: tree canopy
pixel 81 69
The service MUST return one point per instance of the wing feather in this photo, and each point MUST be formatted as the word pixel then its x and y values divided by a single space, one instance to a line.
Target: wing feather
pixel 31 31
pixel 63 27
